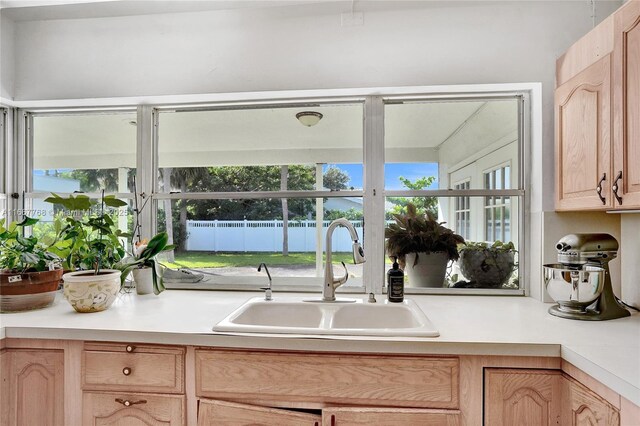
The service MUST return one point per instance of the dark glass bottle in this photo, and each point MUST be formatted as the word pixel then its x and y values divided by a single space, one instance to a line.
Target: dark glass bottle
pixel 395 282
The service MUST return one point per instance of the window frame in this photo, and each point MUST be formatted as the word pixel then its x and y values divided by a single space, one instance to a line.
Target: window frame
pixel 373 191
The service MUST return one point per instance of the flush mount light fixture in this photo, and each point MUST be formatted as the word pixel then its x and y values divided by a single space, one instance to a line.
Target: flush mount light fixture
pixel 309 118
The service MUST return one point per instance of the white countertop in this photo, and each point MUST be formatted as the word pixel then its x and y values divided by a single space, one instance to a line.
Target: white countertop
pixel 609 351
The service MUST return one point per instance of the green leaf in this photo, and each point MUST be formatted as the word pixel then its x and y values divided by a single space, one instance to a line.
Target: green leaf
pixel 28 221
pixel 112 201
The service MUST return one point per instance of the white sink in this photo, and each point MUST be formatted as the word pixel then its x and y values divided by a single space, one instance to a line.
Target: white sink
pixel 295 316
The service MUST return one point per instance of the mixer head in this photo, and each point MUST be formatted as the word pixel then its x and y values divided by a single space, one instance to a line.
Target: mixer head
pixel 578 249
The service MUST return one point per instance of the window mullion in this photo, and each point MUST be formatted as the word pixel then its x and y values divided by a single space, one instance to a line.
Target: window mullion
pixel 145 168
pixel 374 196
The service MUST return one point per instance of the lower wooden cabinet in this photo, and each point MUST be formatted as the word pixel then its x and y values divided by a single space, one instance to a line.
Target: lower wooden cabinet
pixel 343 416
pixel 214 412
pixel 587 408
pixel 522 397
pixel 32 391
pixel 543 397
pixel 120 409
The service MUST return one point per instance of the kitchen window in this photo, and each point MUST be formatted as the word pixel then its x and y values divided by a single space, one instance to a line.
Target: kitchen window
pixel 4 162
pixel 238 183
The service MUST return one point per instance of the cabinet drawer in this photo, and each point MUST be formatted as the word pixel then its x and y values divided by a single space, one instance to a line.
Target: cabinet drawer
pixel 129 367
pixel 320 380
pixel 130 408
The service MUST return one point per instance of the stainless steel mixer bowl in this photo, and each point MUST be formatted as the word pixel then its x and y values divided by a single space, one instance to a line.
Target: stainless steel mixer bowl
pixel 573 288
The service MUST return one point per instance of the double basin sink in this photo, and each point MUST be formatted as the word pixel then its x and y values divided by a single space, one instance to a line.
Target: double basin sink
pixel 302 316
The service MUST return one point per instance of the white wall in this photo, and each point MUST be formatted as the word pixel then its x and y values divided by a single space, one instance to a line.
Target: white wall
pixel 7 58
pixel 303 47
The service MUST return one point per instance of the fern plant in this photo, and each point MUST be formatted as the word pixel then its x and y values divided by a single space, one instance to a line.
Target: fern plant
pixel 416 233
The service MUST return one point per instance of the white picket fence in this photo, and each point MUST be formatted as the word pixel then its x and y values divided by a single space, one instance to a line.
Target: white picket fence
pixel 262 236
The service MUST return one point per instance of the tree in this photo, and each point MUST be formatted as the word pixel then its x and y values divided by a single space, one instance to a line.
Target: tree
pixel 335 179
pixel 423 204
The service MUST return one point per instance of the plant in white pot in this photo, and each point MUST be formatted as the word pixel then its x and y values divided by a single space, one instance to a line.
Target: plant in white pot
pixel 88 241
pixel 423 246
pixel 146 270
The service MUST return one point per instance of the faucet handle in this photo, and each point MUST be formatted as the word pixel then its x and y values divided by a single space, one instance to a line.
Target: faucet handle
pixel 337 282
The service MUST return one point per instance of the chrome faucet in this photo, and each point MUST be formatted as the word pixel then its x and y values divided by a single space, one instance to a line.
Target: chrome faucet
pixel 267 290
pixel 330 282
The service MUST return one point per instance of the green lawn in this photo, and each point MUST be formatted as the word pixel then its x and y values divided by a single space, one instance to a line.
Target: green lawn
pixel 221 260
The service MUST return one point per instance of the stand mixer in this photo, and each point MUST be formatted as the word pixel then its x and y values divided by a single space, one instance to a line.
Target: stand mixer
pixel 580 283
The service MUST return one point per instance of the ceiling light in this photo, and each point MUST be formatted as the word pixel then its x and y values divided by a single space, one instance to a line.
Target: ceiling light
pixel 309 118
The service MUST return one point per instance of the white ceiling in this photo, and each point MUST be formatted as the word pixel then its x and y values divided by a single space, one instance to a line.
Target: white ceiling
pixel 267 136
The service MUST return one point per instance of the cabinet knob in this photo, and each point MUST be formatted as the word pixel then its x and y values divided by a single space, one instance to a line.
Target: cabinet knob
pixel 615 187
pixel 126 371
pixel 128 403
pixel 130 348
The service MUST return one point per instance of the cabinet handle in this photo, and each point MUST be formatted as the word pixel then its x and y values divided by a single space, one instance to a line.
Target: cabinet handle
pixel 130 348
pixel 615 187
pixel 128 403
pixel 599 188
pixel 333 420
pixel 126 371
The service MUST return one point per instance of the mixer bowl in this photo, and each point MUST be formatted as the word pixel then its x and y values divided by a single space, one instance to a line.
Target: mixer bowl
pixel 574 288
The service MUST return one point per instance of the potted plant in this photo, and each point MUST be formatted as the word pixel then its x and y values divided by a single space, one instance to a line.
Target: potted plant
pixel 88 241
pixel 487 265
pixel 422 245
pixel 147 271
pixel 29 273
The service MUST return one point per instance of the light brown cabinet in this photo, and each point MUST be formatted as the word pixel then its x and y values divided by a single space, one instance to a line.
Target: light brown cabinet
pixel 121 409
pixel 213 412
pixel 597 112
pixel 126 384
pixel 626 105
pixel 523 397
pixel 350 416
pixel 32 387
pixel 543 398
pixel 583 139
pixel 317 380
pixel 69 383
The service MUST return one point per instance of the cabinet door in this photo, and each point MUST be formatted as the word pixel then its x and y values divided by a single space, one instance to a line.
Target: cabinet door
pixel 626 101
pixel 523 397
pixel 389 417
pixel 587 408
pixel 212 412
pixel 127 409
pixel 32 387
pixel 583 139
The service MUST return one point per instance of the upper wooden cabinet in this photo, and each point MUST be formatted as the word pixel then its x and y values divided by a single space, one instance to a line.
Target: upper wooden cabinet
pixel 597 109
pixel 626 105
pixel 583 139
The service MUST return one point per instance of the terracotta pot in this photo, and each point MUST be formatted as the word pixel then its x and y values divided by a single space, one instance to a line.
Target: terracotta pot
pixel 88 292
pixel 29 290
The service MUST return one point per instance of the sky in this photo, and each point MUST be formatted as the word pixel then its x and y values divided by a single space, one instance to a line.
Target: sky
pixel 392 173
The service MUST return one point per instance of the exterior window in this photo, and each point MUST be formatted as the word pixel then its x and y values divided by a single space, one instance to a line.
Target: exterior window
pixel 236 184
pixel 497 210
pixel 462 211
pixel 222 177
